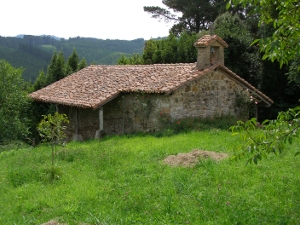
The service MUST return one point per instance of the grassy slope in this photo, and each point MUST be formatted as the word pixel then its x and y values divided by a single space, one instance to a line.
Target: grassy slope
pixel 121 180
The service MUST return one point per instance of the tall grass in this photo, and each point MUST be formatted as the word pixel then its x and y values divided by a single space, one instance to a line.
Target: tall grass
pixel 122 180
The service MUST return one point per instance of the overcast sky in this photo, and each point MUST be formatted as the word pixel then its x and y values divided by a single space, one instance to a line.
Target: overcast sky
pixel 103 19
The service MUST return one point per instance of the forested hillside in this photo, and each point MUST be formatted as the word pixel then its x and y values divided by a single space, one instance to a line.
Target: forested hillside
pixel 33 53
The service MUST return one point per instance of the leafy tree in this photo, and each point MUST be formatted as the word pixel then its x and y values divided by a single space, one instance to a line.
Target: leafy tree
pixel 189 15
pixel 294 72
pixel 283 45
pixel 149 51
pixel 186 52
pixel 287 93
pixel 240 57
pixel 51 129
pixel 135 59
pixel 167 50
pixel 13 103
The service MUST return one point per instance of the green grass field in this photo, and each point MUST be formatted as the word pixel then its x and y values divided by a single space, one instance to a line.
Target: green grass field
pixel 122 180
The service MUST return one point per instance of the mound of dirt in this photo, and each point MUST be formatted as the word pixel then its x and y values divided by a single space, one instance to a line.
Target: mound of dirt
pixel 53 222
pixel 190 159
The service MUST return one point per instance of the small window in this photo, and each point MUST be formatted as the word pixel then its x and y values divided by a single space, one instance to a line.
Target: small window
pixel 214 53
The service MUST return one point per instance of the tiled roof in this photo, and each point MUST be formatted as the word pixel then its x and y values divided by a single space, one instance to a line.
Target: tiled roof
pixel 93 86
pixel 206 40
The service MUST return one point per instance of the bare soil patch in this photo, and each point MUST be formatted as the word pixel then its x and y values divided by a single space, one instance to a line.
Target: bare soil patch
pixel 54 222
pixel 190 159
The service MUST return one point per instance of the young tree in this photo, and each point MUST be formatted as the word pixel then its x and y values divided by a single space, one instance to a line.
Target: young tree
pixel 40 82
pixel 82 64
pixel 57 68
pixel 72 63
pixel 51 129
pixel 13 103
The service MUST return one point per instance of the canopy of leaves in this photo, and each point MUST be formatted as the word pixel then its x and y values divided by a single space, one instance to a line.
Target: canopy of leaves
pixel 188 15
pixel 284 44
pixel 167 50
pixel 238 37
pixel 294 72
pixel 13 103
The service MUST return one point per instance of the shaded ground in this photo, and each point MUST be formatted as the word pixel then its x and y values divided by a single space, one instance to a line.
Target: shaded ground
pixel 190 159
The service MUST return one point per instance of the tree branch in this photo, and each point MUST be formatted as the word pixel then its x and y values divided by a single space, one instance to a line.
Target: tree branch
pixel 160 13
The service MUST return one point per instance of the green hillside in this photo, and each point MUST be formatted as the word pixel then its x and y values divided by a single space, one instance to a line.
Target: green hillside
pixel 33 53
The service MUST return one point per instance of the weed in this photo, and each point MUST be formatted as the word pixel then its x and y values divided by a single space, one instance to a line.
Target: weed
pixel 51 174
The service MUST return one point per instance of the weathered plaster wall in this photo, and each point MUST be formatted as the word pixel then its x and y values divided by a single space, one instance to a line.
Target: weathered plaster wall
pixel 211 95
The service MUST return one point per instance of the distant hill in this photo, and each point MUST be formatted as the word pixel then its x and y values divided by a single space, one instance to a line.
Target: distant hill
pixel 34 53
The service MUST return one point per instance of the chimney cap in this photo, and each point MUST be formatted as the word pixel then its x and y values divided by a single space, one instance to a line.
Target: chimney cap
pixel 207 40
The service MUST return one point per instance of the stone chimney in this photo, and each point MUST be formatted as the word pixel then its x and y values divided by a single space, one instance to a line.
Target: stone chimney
pixel 210 51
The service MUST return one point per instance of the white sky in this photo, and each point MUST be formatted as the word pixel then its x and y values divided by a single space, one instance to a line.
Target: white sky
pixel 102 19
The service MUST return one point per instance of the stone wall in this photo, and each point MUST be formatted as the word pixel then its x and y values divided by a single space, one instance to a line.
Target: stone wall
pixel 205 58
pixel 211 95
pixel 87 121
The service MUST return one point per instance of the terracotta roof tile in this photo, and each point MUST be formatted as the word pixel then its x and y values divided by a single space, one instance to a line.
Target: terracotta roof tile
pixel 206 40
pixel 93 86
